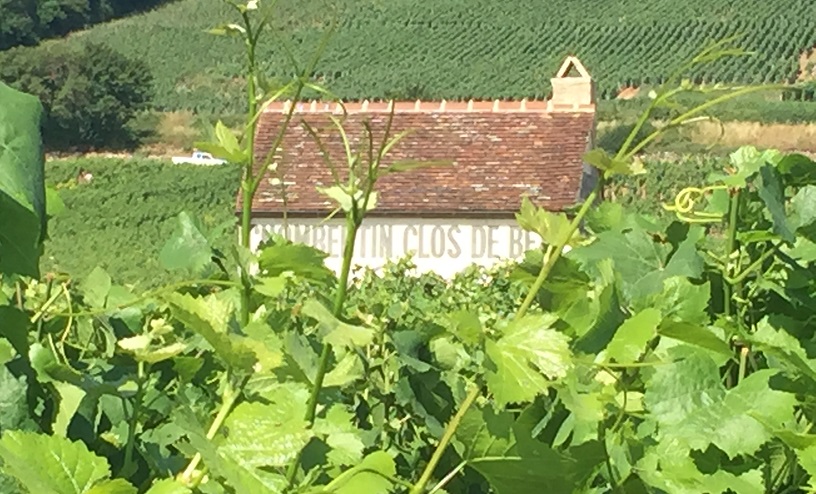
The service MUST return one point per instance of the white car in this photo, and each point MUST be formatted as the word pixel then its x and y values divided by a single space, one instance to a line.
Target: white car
pixel 198 158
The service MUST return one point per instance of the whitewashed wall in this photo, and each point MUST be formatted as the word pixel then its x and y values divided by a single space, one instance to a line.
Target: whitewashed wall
pixel 444 246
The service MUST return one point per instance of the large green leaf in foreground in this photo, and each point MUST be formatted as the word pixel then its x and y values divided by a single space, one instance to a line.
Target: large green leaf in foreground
pixel 51 464
pixel 22 188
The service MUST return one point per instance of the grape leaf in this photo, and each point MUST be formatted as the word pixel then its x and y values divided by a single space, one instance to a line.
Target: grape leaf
pixel 51 464
pixel 335 332
pixel 807 458
pixel 302 260
pixel 70 398
pixel 784 347
pixel 804 207
pixel 693 408
pixel 95 287
pixel 553 228
pixel 772 193
pixel 168 486
pixel 13 402
pixel 544 470
pixel 117 486
pixel 524 360
pixel 631 338
pixel 22 185
pixel 188 248
pixel 207 317
pixel 371 476
pixel 694 334
pixel 671 469
pixel 264 435
pixel 14 326
pixel 341 435
pixel 484 433
pixel 681 300
pixel 641 263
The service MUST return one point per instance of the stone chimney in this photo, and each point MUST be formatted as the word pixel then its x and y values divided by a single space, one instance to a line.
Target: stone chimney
pixel 572 93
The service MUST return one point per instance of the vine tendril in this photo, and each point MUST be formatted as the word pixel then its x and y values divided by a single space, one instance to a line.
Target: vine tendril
pixel 687 199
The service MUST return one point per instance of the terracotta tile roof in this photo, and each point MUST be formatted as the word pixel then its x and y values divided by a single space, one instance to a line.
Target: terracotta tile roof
pixel 500 152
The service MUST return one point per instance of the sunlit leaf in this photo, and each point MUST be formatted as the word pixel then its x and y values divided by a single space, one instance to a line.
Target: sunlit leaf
pixel 371 476
pixel 96 287
pixel 632 336
pixel 202 316
pixel 526 359
pixel 168 486
pixel 188 248
pixel 334 331
pixel 300 259
pixel 51 464
pixel 693 408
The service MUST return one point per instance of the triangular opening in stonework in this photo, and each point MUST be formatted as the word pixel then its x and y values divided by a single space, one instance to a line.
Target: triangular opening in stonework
pixel 572 68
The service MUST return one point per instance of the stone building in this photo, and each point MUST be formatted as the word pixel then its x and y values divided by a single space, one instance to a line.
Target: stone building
pixel 447 216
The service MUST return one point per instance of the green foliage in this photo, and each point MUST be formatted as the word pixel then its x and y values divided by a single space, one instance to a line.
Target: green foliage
pixel 654 365
pixel 90 92
pixel 460 50
pixel 654 355
pixel 669 173
pixel 22 193
pixel 52 464
pixel 26 22
pixel 121 217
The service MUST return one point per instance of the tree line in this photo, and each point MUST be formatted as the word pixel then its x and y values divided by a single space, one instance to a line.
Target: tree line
pixel 89 91
pixel 27 22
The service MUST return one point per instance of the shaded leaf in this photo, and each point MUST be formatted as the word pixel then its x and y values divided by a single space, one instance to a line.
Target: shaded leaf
pixel 22 185
pixel 484 433
pixel 772 193
pixel 641 262
pixel 14 326
pixel 694 334
pixel 526 474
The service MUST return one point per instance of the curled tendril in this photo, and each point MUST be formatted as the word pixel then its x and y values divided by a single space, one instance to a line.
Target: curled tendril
pixel 687 199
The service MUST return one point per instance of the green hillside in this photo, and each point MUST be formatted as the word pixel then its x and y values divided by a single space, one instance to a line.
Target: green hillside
pixel 464 48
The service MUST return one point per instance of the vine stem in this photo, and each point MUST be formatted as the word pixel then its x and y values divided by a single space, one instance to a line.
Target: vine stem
pixel 226 407
pixel 137 406
pixel 733 214
pixel 419 487
pixel 339 299
pixel 230 397
pixel 554 253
